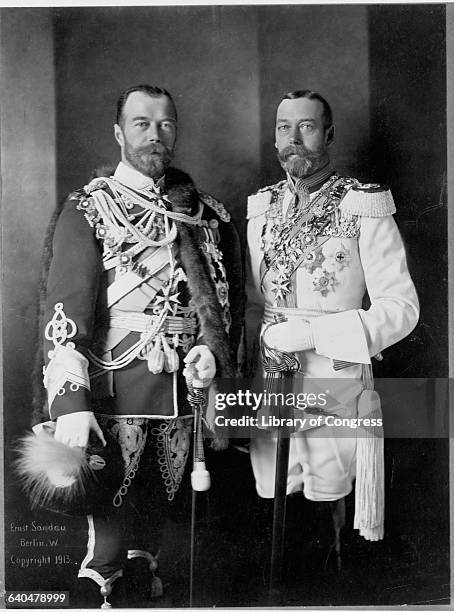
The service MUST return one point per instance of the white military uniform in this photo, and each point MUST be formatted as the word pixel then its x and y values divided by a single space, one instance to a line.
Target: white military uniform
pixel 347 243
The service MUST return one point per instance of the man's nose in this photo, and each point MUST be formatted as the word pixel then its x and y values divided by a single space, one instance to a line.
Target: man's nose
pixel 295 136
pixel 153 133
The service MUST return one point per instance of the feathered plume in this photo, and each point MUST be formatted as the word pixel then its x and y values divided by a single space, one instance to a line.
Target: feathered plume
pixel 53 474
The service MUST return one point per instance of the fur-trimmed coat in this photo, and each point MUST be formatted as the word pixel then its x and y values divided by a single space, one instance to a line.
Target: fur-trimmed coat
pixel 80 284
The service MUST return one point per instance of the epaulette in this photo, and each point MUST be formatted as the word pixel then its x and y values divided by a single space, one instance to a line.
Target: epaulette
pixel 95 184
pixel 258 202
pixel 368 200
pixel 215 205
pixel 269 187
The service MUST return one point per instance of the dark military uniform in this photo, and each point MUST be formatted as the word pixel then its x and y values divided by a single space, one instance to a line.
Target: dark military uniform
pixel 139 272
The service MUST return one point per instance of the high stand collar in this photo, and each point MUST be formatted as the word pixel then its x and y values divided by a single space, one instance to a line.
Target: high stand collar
pixel 136 180
pixel 310 183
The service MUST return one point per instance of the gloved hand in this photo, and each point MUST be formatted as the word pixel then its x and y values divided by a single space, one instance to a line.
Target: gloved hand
pixel 74 429
pixel 290 336
pixel 203 365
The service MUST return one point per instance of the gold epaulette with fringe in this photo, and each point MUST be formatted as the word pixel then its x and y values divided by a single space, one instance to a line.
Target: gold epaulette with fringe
pixel 215 205
pixel 368 200
pixel 258 202
pixel 269 188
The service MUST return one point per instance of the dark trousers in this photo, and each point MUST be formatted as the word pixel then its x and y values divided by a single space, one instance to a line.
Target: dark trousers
pixel 137 523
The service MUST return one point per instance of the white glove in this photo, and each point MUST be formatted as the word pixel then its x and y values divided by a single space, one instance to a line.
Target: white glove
pixel 290 336
pixel 204 364
pixel 74 429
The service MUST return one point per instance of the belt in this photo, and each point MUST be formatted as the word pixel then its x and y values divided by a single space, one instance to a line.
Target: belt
pixel 140 322
pixel 293 313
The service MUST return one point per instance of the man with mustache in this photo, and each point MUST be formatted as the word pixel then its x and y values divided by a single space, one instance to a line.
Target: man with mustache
pixel 317 242
pixel 135 289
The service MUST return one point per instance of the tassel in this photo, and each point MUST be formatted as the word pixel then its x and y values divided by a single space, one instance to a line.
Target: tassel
pixel 370 486
pixel 156 357
pixel 105 591
pixel 171 359
pixel 156 588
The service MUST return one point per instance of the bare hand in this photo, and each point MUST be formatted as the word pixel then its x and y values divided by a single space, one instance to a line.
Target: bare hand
pixel 74 429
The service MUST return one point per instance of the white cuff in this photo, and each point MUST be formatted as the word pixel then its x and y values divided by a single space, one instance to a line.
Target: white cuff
pixel 341 336
pixel 66 365
pixel 47 425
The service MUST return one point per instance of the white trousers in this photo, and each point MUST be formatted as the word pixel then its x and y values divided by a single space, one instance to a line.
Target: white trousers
pixel 322 466
pixel 322 460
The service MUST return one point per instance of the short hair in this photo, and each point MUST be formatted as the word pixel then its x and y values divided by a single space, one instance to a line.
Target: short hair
pixel 150 90
pixel 313 95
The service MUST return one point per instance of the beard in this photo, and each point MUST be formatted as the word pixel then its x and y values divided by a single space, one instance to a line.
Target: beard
pixel 151 160
pixel 299 162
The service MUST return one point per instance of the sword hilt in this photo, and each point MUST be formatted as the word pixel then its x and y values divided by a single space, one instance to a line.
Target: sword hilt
pixel 274 361
pixel 200 477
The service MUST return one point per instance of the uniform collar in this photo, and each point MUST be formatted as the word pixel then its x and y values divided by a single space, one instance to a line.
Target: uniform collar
pixel 311 183
pixel 135 179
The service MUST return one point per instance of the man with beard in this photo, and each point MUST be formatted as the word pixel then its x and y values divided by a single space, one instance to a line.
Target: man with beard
pixel 135 287
pixel 317 242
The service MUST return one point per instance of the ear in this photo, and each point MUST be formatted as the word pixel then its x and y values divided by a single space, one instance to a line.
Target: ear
pixel 118 133
pixel 275 145
pixel 329 135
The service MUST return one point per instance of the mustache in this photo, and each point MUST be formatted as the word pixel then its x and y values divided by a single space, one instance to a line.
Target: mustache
pixel 295 149
pixel 154 147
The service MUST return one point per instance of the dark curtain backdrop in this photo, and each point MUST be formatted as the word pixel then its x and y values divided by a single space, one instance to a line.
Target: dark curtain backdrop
pixel 408 152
